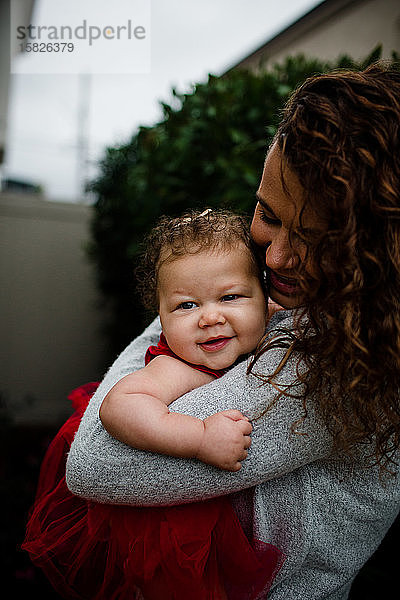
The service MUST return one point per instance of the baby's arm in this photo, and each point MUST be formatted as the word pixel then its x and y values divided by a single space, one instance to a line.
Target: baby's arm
pixel 135 412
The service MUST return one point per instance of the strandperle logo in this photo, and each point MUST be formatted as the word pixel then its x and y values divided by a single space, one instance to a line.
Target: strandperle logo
pixel 85 31
pixel 74 37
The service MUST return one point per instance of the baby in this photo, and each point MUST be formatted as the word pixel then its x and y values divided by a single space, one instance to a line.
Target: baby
pixel 201 273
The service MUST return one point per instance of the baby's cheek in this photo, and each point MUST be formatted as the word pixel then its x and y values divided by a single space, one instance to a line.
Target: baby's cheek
pixel 259 330
pixel 183 348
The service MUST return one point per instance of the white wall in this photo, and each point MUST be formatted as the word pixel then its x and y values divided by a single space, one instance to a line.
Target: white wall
pixel 342 27
pixel 50 322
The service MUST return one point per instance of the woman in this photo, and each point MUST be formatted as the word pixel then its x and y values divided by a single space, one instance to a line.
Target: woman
pixel 321 479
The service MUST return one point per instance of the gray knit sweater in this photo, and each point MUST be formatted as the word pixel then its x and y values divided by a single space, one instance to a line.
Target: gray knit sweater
pixel 327 515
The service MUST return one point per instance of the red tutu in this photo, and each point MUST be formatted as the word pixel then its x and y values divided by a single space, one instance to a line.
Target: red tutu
pixel 105 552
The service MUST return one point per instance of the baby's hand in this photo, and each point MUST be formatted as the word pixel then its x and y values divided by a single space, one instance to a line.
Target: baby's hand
pixel 273 307
pixel 225 440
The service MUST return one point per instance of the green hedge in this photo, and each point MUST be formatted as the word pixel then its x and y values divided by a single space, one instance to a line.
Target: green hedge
pixel 207 151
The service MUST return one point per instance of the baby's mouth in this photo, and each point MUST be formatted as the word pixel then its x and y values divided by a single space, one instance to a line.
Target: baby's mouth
pixel 215 344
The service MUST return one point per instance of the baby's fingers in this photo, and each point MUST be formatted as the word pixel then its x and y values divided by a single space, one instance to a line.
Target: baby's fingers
pixel 245 427
pixel 243 454
pixel 236 467
pixel 234 414
pixel 247 441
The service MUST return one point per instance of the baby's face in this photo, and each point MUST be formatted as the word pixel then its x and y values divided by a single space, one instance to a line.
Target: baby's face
pixel 212 306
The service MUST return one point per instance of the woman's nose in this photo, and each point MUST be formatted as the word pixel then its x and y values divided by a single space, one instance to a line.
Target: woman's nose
pixel 211 316
pixel 279 255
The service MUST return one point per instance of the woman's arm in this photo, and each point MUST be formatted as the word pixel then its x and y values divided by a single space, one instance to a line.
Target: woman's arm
pixel 135 412
pixel 103 469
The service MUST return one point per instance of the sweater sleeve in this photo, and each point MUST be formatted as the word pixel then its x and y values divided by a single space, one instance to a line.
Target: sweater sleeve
pixel 103 469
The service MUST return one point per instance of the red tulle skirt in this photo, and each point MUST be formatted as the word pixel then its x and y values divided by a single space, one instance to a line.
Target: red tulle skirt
pixel 106 552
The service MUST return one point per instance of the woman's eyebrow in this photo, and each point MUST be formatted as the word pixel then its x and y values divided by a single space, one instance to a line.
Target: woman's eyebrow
pixel 264 204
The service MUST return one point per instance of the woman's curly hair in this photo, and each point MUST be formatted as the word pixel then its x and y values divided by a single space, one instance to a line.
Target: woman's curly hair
pixel 193 232
pixel 340 135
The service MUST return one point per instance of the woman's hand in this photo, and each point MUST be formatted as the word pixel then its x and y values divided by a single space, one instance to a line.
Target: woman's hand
pixel 225 440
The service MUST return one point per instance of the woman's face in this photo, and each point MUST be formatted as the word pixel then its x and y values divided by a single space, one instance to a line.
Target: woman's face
pixel 276 213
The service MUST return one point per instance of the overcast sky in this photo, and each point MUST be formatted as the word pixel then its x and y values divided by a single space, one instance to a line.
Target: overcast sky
pixel 189 39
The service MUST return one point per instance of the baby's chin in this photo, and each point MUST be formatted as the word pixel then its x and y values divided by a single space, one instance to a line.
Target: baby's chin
pixel 223 365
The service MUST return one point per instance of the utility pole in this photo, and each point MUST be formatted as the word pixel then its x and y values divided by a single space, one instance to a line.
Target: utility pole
pixel 82 153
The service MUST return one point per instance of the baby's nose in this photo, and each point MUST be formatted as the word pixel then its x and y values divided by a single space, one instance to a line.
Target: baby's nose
pixel 211 316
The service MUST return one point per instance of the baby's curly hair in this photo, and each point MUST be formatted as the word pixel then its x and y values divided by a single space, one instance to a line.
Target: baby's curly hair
pixel 191 233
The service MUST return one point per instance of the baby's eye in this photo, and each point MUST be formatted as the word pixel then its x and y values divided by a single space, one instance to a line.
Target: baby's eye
pixel 230 297
pixel 186 305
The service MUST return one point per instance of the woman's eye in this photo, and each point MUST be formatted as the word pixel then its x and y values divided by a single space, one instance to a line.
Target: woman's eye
pixel 269 220
pixel 186 305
